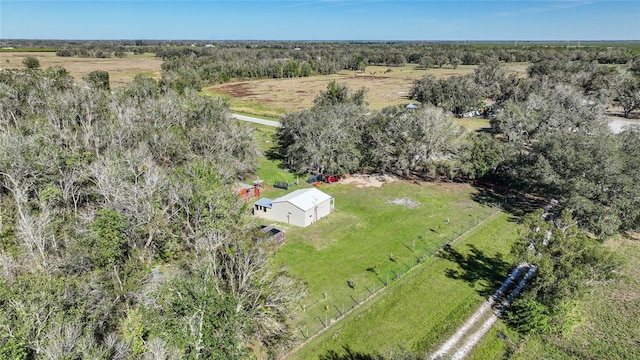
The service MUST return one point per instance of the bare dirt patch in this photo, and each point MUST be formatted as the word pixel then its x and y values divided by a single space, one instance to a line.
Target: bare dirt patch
pixel 408 203
pixel 363 180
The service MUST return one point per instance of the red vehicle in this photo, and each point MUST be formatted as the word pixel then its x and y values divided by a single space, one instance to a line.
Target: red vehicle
pixel 331 178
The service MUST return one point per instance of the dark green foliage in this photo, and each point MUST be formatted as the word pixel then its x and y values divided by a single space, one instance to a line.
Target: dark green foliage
pixel 634 68
pixel 109 247
pixel 338 93
pixel 458 94
pixel 567 260
pixel 31 63
pixel 11 348
pixel 528 316
pixel 343 138
pixel 480 155
pixel 60 76
pixel 98 79
pixel 560 146
pixel 627 95
pixel 322 140
pixel 202 322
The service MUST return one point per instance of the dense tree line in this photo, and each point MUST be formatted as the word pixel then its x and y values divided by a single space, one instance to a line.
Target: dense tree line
pixel 223 61
pixel 120 234
pixel 339 135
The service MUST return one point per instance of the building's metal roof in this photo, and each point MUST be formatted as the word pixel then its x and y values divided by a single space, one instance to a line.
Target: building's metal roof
pixel 264 202
pixel 304 199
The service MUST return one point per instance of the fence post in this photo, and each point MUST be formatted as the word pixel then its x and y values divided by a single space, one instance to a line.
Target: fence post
pixel 368 289
pixel 354 300
pixel 323 324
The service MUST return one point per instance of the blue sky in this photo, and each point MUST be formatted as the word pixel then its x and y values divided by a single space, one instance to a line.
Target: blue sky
pixel 321 20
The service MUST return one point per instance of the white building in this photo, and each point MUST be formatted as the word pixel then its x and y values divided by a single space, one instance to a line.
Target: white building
pixel 300 208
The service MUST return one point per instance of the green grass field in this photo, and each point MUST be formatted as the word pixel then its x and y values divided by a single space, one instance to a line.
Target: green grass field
pixel 370 240
pixel 428 304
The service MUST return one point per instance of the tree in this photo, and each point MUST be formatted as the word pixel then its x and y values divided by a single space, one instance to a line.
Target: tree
pixel 457 94
pixel 109 246
pixel 31 63
pixel 427 62
pixel 440 58
pixel 98 79
pixel 634 67
pixel 340 94
pixel 567 260
pixel 407 140
pixel 627 95
pixel 322 139
pixel 480 155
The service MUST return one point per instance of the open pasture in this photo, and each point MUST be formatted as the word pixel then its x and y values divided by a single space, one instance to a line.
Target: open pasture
pixel 386 86
pixel 121 70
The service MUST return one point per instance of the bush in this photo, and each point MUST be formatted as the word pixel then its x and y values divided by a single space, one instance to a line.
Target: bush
pixel 31 63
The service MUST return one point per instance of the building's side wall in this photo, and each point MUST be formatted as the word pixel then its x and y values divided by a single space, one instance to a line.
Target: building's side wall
pixel 324 208
pixel 288 214
pixel 262 214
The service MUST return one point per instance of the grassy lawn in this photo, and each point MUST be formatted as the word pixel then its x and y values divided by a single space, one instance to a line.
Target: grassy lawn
pixel 473 124
pixel 427 305
pixel 369 240
pixel 269 170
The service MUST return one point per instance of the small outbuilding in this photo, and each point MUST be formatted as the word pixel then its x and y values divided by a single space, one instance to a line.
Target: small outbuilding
pixel 248 192
pixel 300 208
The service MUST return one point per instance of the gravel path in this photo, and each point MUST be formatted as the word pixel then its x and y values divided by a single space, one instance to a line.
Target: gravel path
pixel 256 120
pixel 474 329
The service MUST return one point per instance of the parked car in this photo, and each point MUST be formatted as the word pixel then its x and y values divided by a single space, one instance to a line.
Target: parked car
pixel 331 178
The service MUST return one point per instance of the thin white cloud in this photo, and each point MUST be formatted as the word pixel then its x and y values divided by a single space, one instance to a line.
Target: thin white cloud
pixel 547 7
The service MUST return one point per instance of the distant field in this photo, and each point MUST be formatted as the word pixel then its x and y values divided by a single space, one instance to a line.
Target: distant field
pixel 386 86
pixel 121 71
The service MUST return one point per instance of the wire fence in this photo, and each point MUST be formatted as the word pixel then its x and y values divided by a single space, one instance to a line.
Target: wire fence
pixel 422 252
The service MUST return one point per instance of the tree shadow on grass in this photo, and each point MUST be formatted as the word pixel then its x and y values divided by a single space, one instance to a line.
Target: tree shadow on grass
pixel 516 203
pixel 476 268
pixel 347 355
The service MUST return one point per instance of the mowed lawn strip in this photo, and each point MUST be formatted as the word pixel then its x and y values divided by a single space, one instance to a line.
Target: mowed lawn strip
pixel 426 306
pixel 369 239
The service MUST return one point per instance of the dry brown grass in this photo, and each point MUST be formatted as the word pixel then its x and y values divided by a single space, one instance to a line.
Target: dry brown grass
pixel 121 71
pixel 386 86
pixel 272 97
